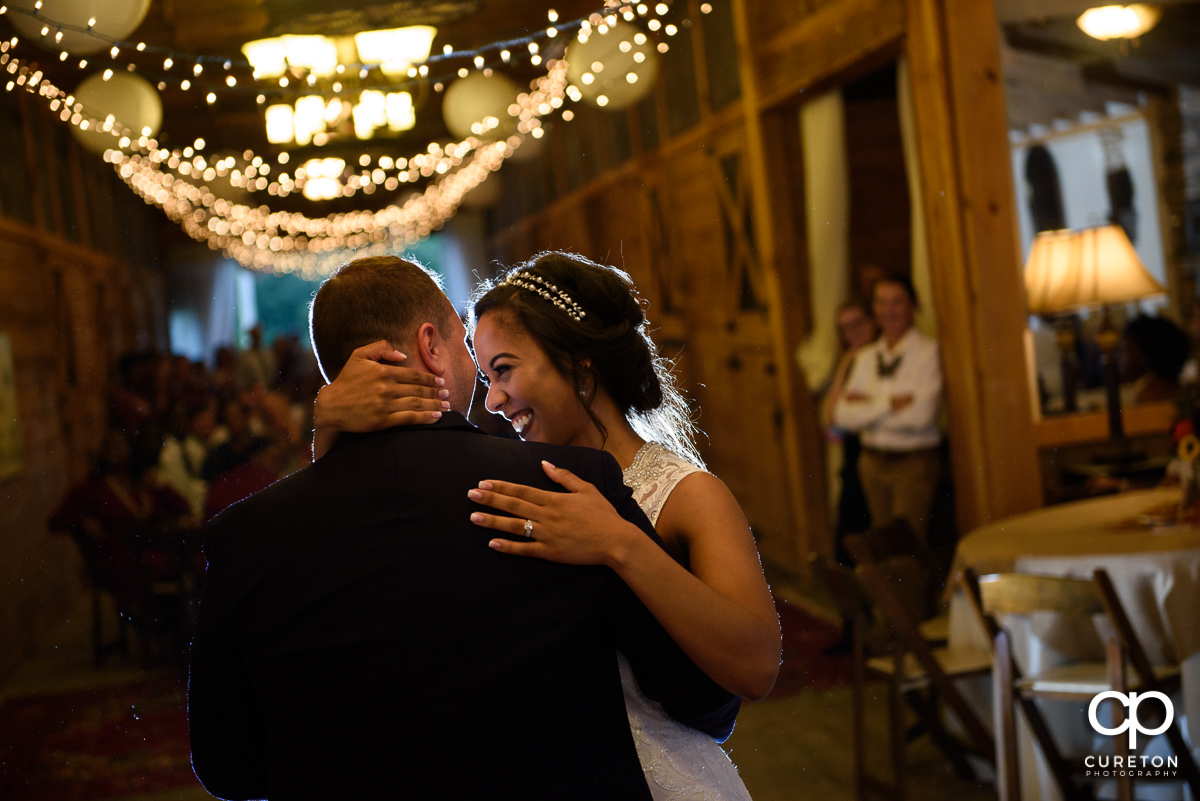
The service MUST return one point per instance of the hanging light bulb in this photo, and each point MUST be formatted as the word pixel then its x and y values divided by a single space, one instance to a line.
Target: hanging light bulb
pixel 1118 22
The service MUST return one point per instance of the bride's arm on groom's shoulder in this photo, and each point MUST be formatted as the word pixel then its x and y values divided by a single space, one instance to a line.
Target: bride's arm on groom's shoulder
pixel 374 391
pixel 720 613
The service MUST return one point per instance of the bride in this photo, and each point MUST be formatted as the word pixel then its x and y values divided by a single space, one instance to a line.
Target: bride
pixel 561 344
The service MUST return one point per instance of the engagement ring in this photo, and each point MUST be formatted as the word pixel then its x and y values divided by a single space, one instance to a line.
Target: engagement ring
pixel 529 529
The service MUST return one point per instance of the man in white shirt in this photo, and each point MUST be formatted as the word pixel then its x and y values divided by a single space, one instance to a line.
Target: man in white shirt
pixel 892 398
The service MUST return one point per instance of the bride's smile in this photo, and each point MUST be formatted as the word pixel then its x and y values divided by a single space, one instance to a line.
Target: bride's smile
pixel 526 387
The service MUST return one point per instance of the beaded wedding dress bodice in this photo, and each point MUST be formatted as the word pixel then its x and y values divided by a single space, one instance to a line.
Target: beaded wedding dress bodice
pixel 679 762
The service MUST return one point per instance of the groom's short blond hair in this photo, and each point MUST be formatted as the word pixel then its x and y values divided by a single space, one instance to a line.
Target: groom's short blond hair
pixel 378 297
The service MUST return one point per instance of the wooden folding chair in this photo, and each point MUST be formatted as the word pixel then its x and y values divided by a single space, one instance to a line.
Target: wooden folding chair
pixel 1024 594
pixel 1148 676
pixel 895 549
pixel 919 675
pixel 855 607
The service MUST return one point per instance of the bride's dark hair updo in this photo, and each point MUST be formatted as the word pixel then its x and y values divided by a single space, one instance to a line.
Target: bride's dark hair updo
pixel 589 320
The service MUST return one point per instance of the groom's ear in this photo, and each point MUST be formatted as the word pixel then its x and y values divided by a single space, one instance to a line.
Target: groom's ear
pixel 431 349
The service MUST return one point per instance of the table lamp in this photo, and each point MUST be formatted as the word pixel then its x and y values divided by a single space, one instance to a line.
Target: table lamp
pixel 1071 270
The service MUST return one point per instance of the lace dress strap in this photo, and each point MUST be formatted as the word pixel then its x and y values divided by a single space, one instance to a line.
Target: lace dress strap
pixel 652 476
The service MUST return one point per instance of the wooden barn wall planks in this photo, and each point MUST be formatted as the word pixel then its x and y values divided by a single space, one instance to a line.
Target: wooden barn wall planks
pixel 837 36
pixel 73 297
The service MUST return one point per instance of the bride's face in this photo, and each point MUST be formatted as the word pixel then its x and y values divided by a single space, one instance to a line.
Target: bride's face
pixel 525 387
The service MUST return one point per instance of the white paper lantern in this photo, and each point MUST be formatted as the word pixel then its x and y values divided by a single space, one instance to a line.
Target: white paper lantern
pixel 477 105
pixel 130 101
pixel 613 69
pixel 114 20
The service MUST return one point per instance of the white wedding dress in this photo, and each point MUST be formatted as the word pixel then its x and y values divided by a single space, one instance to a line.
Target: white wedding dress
pixel 679 762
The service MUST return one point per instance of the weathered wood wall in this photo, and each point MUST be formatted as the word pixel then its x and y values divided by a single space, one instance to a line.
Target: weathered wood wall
pixel 77 289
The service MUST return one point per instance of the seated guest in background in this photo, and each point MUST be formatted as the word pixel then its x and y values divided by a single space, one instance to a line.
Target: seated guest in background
pixel 358 638
pixel 1155 352
pixel 264 465
pixel 236 441
pixel 123 521
pixel 892 398
pixel 177 467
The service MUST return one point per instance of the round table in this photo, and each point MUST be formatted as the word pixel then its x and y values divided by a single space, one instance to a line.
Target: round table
pixel 1155 570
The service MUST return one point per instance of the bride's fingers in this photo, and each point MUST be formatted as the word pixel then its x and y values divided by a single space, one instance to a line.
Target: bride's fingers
pixel 400 391
pixel 515 548
pixel 514 506
pixel 378 351
pixel 413 418
pixel 413 380
pixel 520 492
pixel 508 525
pixel 413 403
pixel 566 478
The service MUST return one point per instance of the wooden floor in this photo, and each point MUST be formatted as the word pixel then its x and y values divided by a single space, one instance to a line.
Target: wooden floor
pixel 799 748
pixel 793 749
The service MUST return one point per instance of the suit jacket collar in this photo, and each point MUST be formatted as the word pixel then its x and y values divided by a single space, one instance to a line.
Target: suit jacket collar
pixel 448 421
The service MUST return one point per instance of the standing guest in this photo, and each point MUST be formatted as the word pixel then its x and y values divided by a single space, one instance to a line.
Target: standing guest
pixel 222 378
pixel 255 366
pixel 892 398
pixel 856 330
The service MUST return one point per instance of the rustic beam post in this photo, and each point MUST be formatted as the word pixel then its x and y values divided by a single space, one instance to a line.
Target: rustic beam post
pixel 953 49
pixel 788 320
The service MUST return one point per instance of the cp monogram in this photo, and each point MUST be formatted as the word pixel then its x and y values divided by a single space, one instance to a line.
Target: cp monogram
pixel 1131 722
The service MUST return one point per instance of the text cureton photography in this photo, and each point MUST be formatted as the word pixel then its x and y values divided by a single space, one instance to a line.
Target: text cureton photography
pixel 1132 765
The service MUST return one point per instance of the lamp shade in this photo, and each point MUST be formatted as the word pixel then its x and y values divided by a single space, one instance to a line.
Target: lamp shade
pixel 1071 269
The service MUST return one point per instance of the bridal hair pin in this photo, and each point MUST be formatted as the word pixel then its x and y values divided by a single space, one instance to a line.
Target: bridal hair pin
pixel 540 286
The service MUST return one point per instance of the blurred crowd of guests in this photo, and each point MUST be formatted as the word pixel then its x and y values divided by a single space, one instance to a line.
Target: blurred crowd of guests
pixel 184 441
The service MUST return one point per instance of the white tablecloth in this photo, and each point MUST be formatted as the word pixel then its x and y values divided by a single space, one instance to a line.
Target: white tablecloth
pixel 1156 573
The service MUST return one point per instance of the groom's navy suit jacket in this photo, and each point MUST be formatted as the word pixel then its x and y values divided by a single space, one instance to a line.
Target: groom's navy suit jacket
pixel 358 639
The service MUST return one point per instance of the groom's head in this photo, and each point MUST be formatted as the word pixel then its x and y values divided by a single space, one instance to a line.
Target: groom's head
pixel 385 297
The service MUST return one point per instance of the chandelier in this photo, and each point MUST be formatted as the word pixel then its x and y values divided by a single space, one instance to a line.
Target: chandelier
pixel 336 61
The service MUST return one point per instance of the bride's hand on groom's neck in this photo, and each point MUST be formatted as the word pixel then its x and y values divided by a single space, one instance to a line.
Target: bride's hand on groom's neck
pixel 374 391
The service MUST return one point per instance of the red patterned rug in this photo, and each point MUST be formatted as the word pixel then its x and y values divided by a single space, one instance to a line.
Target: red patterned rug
pixel 804 666
pixel 102 743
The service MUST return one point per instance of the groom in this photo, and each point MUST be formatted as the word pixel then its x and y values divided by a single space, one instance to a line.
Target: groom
pixel 357 638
